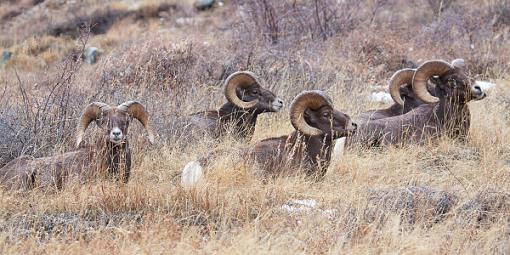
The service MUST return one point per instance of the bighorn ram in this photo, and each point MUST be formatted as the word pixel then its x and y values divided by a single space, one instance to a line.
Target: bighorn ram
pixel 447 113
pixel 308 148
pixel 404 101
pixel 246 100
pixel 110 156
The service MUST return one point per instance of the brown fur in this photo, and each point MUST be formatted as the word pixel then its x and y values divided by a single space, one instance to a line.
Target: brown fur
pixel 104 159
pixel 286 155
pixel 229 117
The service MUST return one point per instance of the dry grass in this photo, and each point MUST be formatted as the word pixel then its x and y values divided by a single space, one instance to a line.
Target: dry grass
pixel 447 197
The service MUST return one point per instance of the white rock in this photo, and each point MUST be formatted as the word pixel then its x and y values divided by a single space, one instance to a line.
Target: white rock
pixel 295 206
pixel 381 97
pixel 91 55
pixel 308 206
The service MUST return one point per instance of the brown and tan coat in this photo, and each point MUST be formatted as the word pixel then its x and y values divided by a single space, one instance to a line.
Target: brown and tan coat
pixel 246 100
pixel 109 156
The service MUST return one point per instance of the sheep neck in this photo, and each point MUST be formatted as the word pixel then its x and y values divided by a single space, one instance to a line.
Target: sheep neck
pixel 453 117
pixel 115 160
pixel 396 109
pixel 241 121
pixel 311 152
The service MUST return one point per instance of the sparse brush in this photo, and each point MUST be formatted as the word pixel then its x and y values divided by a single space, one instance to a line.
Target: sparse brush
pixel 436 198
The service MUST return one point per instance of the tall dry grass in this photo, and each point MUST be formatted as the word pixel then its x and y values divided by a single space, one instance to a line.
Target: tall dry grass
pixel 446 197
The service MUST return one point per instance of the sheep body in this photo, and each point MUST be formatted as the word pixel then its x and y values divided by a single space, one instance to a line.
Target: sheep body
pixel 110 156
pixel 246 100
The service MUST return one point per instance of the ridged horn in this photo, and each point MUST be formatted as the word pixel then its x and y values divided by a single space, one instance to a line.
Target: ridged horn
pixel 313 99
pixel 242 79
pixel 137 111
pixel 423 74
pixel 91 113
pixel 459 63
pixel 400 78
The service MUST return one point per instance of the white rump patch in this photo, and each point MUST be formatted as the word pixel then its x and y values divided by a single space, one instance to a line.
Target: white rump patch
pixel 380 97
pixel 338 152
pixel 191 174
pixel 486 86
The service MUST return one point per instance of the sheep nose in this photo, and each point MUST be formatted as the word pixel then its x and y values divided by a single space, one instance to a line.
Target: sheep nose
pixel 477 87
pixel 355 126
pixel 116 133
pixel 279 101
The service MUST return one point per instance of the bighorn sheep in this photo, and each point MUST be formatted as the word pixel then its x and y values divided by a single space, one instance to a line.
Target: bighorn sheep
pixel 308 148
pixel 246 100
pixel 446 114
pixel 404 101
pixel 110 156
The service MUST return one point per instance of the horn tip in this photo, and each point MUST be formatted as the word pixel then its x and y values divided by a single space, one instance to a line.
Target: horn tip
pixel 151 138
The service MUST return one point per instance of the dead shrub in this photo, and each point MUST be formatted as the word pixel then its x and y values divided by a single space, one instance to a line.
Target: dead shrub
pixel 486 208
pixel 35 124
pixel 288 22
pixel 414 204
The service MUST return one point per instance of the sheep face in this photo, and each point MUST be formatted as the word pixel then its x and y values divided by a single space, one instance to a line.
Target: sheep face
pixel 267 100
pixel 458 86
pixel 451 81
pixel 409 98
pixel 243 90
pixel 331 122
pixel 114 120
pixel 116 124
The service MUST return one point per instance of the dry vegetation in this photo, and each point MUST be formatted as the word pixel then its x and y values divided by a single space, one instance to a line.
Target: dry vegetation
pixel 447 197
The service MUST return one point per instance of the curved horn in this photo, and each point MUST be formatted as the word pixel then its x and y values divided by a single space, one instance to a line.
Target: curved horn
pixel 313 99
pixel 243 79
pixel 92 112
pixel 422 75
pixel 459 63
pixel 399 79
pixel 137 110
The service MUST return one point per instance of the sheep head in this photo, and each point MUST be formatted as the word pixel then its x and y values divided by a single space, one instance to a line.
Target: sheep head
pixel 451 81
pixel 401 89
pixel 312 113
pixel 399 85
pixel 244 91
pixel 114 120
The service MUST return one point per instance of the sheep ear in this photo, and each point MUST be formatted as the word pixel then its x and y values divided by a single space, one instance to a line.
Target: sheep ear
pixel 435 79
pixel 307 113
pixel 405 91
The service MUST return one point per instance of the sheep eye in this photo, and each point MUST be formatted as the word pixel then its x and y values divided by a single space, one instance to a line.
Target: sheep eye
pixel 326 115
pixel 452 82
pixel 255 92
